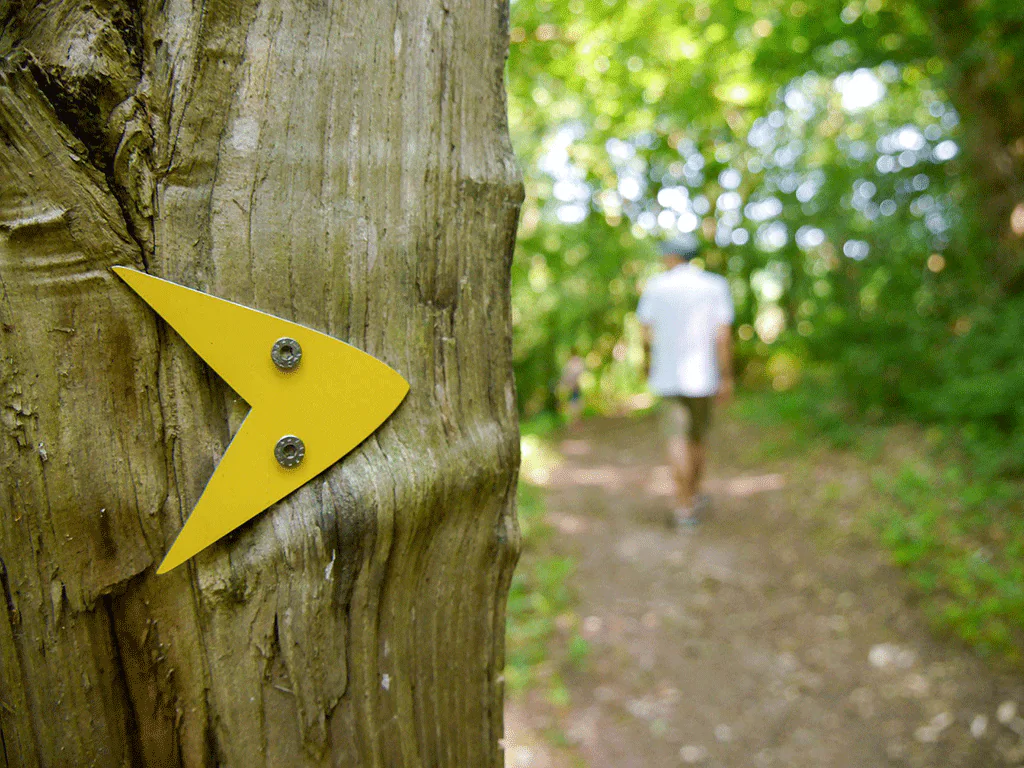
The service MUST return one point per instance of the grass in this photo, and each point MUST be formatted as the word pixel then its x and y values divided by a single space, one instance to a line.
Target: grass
pixel 961 544
pixel 542 635
pixel 955 530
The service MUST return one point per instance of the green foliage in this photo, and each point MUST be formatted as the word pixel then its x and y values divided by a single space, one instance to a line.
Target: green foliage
pixel 813 414
pixel 818 152
pixel 981 388
pixel 574 294
pixel 953 525
pixel 960 543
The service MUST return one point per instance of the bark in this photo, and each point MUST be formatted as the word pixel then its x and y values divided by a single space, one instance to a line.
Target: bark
pixel 985 88
pixel 342 165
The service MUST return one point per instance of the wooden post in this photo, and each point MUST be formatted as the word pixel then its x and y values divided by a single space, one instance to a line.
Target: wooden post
pixel 342 165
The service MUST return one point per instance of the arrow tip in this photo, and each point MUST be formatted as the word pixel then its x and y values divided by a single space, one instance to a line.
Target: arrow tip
pixel 176 555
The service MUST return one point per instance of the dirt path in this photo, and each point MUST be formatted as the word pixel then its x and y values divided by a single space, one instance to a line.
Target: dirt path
pixel 773 635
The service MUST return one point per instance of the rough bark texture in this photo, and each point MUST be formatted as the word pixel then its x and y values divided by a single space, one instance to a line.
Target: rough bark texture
pixel 342 165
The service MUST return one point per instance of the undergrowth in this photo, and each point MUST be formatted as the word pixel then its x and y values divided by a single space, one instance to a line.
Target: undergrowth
pixel 961 543
pixel 542 634
pixel 950 523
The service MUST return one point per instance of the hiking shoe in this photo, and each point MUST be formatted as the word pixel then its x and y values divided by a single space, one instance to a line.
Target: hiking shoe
pixel 702 507
pixel 684 519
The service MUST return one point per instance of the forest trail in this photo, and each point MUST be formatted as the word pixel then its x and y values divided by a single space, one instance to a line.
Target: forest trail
pixel 775 634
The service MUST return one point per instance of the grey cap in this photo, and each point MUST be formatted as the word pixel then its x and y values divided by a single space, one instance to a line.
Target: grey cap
pixel 683 247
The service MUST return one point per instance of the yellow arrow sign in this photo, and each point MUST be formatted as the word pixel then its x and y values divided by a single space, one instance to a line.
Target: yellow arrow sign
pixel 313 399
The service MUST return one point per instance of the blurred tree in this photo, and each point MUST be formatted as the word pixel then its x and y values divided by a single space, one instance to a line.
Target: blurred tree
pixel 984 45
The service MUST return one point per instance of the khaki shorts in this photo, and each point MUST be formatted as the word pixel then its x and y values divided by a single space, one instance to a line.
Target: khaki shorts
pixel 689 416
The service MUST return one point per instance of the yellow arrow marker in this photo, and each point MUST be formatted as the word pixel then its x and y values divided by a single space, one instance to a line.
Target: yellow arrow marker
pixel 313 399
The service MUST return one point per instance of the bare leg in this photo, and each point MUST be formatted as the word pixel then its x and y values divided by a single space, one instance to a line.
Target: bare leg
pixel 574 410
pixel 695 454
pixel 687 459
pixel 680 458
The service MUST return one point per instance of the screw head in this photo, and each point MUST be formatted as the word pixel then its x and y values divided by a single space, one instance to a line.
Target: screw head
pixel 289 451
pixel 286 354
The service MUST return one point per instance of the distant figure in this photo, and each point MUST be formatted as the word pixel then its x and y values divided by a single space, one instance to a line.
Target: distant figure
pixel 687 315
pixel 569 390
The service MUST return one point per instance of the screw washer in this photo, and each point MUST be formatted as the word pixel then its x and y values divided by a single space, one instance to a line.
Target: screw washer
pixel 289 451
pixel 286 354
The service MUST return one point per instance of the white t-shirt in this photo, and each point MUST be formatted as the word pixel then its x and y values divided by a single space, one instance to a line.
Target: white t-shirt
pixel 684 308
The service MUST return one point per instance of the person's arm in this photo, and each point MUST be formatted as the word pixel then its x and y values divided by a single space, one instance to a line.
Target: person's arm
pixel 723 351
pixel 643 314
pixel 645 334
pixel 723 345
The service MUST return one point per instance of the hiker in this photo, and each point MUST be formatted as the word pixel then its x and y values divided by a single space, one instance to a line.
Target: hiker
pixel 687 316
pixel 569 390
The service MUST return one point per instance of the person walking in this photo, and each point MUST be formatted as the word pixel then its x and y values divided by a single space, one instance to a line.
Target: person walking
pixel 569 389
pixel 687 315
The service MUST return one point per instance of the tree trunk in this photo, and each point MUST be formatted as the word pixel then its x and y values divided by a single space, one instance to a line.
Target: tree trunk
pixel 985 88
pixel 342 165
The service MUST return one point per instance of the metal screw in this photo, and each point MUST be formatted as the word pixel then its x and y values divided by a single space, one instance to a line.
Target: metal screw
pixel 289 451
pixel 286 354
